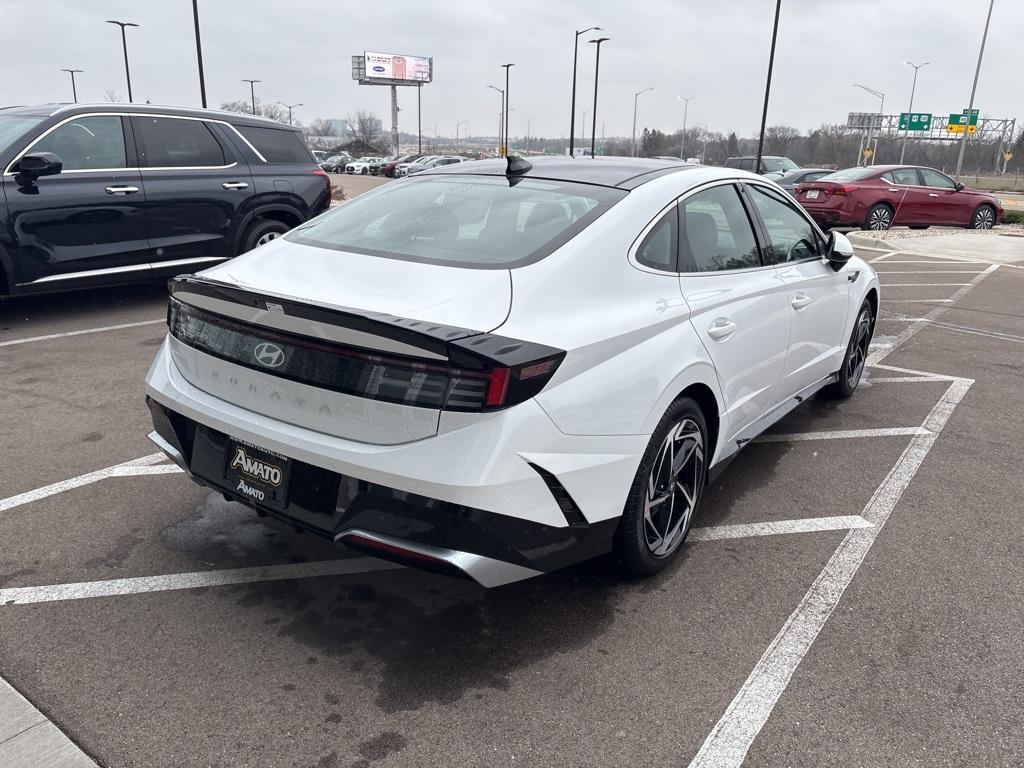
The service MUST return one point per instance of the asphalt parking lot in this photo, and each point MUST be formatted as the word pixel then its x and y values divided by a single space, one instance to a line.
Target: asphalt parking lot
pixel 851 595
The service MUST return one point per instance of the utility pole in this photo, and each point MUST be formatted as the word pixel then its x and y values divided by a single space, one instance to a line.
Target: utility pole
pixel 910 108
pixel 289 107
pixel 252 92
pixel 768 86
pixel 394 120
pixel 597 77
pixel 507 108
pixel 636 97
pixel 572 106
pixel 686 107
pixel 74 90
pixel 124 46
pixel 419 118
pixel 199 53
pixel 974 88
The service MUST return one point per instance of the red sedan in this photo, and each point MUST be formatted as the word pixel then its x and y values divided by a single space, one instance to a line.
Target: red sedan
pixel 882 196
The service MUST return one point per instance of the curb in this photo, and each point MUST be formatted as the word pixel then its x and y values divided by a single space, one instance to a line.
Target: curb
pixel 871 241
pixel 28 739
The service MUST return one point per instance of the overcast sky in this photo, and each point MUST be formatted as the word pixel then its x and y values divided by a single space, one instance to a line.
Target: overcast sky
pixel 713 50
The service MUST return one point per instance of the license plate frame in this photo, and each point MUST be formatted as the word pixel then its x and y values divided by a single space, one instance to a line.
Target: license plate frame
pixel 811 194
pixel 257 474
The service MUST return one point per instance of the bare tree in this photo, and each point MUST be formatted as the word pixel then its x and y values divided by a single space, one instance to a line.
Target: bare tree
pixel 364 126
pixel 321 127
pixel 779 137
pixel 112 96
pixel 269 111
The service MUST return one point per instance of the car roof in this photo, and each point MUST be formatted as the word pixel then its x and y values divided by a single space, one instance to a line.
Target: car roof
pixel 53 110
pixel 621 172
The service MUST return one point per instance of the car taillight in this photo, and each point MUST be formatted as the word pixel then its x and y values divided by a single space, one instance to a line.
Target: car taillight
pixel 327 178
pixel 841 189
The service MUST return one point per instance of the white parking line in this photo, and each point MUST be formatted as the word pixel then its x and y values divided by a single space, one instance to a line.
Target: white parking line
pixel 135 466
pixel 175 581
pixel 842 434
pixel 919 285
pixel 902 379
pixel 917 301
pixel 64 335
pixel 939 263
pixel 879 258
pixel 929 271
pixel 875 358
pixel 960 328
pixel 727 744
pixel 137 585
pixel 777 527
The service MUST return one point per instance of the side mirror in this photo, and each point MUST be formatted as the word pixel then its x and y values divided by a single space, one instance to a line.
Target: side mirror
pixel 30 167
pixel 838 251
pixel 960 185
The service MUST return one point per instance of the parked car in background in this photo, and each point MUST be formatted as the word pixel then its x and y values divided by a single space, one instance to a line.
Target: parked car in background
pixel 402 169
pixel 417 394
pixel 111 193
pixel 319 155
pixel 362 165
pixel 772 166
pixel 436 162
pixel 388 169
pixel 789 180
pixel 882 196
pixel 336 163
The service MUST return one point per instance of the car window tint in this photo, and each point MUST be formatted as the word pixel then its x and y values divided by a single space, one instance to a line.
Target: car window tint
pixel 277 145
pixel 463 221
pixel 791 236
pixel 935 179
pixel 716 232
pixel 88 143
pixel 747 165
pixel 904 176
pixel 169 142
pixel 658 250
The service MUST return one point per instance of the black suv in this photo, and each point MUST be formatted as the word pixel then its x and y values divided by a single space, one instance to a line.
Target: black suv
pixel 100 194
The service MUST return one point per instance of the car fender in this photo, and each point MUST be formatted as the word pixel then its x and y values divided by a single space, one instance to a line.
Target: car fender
pixel 260 206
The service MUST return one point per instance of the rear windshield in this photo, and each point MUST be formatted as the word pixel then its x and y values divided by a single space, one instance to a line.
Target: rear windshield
pixel 850 174
pixel 277 145
pixel 13 127
pixel 464 221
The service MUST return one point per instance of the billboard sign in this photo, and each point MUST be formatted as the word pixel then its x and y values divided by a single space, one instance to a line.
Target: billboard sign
pixel 397 69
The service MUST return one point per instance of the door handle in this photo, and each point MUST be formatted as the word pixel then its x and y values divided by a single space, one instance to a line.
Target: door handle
pixel 893 189
pixel 121 190
pixel 721 329
pixel 933 194
pixel 800 301
pixel 235 185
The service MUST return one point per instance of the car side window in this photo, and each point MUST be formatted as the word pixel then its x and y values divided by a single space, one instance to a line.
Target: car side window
pixel 747 165
pixel 87 143
pixel 815 176
pixel 658 249
pixel 935 179
pixel 902 176
pixel 716 232
pixel 791 236
pixel 169 142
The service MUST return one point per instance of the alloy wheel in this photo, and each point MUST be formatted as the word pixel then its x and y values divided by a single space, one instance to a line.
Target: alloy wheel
pixel 880 218
pixel 673 487
pixel 984 218
pixel 267 238
pixel 859 353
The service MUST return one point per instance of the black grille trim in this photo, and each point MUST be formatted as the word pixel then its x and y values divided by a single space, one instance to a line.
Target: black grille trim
pixel 566 503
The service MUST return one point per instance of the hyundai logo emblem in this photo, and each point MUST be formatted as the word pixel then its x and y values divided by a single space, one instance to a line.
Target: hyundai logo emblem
pixel 268 355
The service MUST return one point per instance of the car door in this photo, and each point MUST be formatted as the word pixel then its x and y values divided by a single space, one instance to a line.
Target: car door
pixel 946 205
pixel 195 185
pixel 87 223
pixel 817 294
pixel 909 197
pixel 738 304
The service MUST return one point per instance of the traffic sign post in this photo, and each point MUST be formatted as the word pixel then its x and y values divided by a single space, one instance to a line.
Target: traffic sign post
pixel 915 121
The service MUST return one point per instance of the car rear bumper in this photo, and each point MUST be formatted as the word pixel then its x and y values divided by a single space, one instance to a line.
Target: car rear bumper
pixel 498 497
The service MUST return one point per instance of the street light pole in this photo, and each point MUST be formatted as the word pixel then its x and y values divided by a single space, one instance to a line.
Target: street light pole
pixel 289 107
pixel 636 98
pixel 507 109
pixel 910 108
pixel 597 74
pixel 124 46
pixel 199 52
pixel 501 116
pixel 686 107
pixel 974 88
pixel 74 90
pixel 771 66
pixel 881 109
pixel 252 92
pixel 461 122
pixel 572 108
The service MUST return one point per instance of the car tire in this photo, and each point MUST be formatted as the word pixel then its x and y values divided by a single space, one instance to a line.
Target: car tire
pixel 984 217
pixel 855 359
pixel 260 232
pixel 878 218
pixel 650 534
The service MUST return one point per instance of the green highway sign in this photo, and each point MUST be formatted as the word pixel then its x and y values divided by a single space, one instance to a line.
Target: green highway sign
pixel 961 119
pixel 915 121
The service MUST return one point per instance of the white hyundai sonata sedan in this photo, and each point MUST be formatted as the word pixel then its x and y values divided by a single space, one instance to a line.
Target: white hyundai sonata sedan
pixel 500 368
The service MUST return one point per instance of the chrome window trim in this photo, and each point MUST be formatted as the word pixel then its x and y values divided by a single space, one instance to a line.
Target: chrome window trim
pixel 71 118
